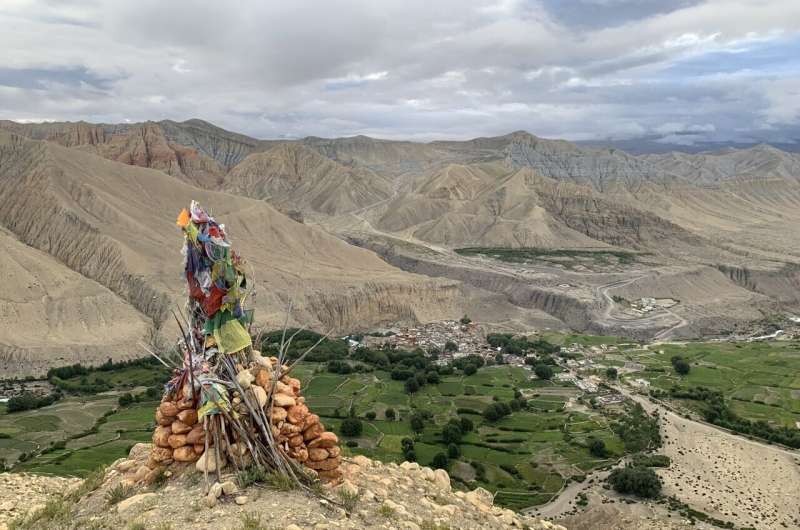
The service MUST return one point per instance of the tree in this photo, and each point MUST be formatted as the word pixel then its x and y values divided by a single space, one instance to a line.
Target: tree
pixel 450 346
pixel 351 427
pixel 370 415
pixel 681 367
pixel 543 371
pixel 125 399
pixel 410 456
pixel 451 433
pixel 466 424
pixel 433 378
pixel 470 369
pixel 417 425
pixel 465 320
pixel 597 447
pixel 440 461
pixel 411 385
pixel 498 359
pixel 407 444
pixel 453 451
pixel 640 481
pixel 611 372
pixel 390 414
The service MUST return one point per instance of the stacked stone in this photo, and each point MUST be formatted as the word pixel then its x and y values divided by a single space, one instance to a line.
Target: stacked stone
pixel 178 436
pixel 299 432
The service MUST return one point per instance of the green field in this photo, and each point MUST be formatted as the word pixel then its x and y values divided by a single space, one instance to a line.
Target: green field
pixel 760 379
pixel 532 442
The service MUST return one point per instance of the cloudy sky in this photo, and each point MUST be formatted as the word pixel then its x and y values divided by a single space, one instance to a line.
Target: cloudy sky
pixel 678 71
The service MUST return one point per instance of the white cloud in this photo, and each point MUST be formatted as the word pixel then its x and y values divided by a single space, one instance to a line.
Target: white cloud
pixel 410 68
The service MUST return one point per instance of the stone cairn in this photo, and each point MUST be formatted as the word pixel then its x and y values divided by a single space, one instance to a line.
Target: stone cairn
pixel 227 405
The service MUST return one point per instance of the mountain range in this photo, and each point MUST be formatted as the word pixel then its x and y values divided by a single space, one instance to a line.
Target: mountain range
pixel 87 217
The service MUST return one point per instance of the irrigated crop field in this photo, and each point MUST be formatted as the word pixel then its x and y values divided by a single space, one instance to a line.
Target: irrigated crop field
pixel 527 457
pixel 761 379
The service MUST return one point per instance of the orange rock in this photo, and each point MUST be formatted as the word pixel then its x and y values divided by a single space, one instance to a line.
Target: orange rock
pixel 178 427
pixel 299 453
pixel 177 440
pixel 186 453
pixel 294 383
pixel 163 420
pixel 185 404
pixel 278 414
pixel 313 432
pixel 168 409
pixel 296 440
pixel 310 420
pixel 297 414
pixel 334 451
pixel 189 416
pixel 197 435
pixel 326 439
pixel 161 436
pixel 199 448
pixel 263 379
pixel 331 475
pixel 318 455
pixel 289 429
pixel 325 465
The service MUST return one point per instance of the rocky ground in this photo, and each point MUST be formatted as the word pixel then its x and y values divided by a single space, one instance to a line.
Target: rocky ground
pixel 21 493
pixel 372 495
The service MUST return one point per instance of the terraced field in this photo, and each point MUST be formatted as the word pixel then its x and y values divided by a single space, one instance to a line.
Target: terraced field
pixel 759 378
pixel 526 457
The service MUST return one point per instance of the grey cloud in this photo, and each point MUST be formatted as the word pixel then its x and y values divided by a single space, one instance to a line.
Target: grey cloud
pixel 407 68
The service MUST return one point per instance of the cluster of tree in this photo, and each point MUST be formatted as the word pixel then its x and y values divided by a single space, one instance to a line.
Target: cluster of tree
pixel 597 447
pixel 407 446
pixel 326 348
pixel 28 401
pixel 611 372
pixel 680 365
pixel 499 410
pixel 520 345
pixel 351 427
pixel 716 411
pixel 151 394
pixel 641 460
pixel 543 371
pixel 638 430
pixel 469 364
pixel 90 381
pixel 343 367
pixel 639 481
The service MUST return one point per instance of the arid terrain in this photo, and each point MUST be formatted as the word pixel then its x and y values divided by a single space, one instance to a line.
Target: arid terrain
pixel 446 228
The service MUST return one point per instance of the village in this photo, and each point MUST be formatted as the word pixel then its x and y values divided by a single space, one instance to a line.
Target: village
pixel 580 365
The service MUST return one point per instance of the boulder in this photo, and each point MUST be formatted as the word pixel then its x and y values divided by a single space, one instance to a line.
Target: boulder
pixel 325 465
pixel 480 497
pixel 297 414
pixel 206 461
pixel 442 479
pixel 163 420
pixel 229 487
pixel 199 448
pixel 278 414
pixel 168 409
pixel 177 440
pixel 318 454
pixel 185 454
pixel 263 379
pixel 161 436
pixel 245 378
pixel 313 431
pixel 334 451
pixel 178 427
pixel 296 440
pixel 259 395
pixel 281 399
pixel 197 435
pixel 311 419
pixel 188 417
pixel 129 507
pixel 326 439
pixel 299 453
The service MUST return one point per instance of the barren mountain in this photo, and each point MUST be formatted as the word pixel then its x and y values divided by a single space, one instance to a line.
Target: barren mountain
pixel 113 224
pixel 731 214
pixel 292 176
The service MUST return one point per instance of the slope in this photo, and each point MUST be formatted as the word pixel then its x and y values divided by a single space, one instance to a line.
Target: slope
pixel 292 176
pixel 114 223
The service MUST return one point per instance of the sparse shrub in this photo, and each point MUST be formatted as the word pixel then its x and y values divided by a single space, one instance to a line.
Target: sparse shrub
pixel 117 493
